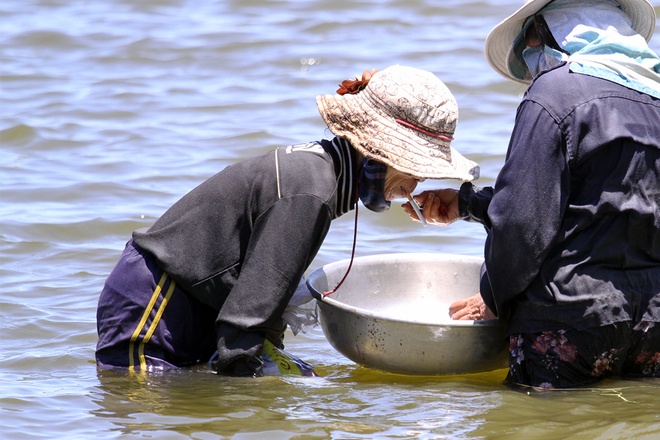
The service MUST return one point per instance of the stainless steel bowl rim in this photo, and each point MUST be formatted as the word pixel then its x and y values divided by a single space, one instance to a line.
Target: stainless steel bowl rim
pixel 368 313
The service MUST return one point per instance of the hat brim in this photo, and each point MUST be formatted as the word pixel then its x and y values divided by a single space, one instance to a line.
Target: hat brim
pixel 379 137
pixel 499 43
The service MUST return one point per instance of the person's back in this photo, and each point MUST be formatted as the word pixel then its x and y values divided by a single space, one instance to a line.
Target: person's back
pixel 190 239
pixel 607 247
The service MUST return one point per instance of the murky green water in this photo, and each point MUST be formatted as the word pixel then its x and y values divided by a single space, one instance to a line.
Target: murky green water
pixel 112 110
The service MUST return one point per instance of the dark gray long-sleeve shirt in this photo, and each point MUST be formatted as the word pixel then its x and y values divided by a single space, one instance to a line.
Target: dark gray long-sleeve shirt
pixel 574 218
pixel 241 241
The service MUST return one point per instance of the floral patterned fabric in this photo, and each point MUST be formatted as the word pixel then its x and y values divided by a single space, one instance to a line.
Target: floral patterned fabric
pixel 572 358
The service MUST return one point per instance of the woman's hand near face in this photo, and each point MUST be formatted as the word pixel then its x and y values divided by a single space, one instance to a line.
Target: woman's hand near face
pixel 439 206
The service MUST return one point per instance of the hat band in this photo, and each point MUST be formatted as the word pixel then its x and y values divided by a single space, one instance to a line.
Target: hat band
pixel 443 136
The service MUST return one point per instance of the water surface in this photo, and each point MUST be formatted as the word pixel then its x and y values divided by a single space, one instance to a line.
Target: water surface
pixel 112 110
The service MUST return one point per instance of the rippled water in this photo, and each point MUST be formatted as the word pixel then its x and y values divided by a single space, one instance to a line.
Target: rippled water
pixel 112 110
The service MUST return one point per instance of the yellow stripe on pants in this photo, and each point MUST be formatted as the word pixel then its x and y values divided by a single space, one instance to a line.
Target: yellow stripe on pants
pixel 154 324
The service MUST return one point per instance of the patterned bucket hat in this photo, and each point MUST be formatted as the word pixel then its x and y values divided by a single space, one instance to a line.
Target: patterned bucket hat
pixel 405 118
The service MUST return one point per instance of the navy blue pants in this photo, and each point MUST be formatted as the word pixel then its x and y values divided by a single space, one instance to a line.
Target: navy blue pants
pixel 146 322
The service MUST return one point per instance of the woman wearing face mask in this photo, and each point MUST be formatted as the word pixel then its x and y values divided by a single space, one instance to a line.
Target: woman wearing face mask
pixel 572 256
pixel 218 269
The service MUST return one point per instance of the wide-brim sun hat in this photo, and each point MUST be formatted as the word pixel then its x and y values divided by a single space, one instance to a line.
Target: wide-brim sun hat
pixel 500 41
pixel 405 118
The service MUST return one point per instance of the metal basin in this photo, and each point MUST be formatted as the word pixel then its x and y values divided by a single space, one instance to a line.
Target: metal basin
pixel 391 314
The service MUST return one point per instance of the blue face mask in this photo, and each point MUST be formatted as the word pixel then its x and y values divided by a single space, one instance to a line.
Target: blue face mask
pixel 542 58
pixel 371 185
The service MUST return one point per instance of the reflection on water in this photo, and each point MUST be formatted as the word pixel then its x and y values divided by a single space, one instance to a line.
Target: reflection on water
pixel 352 402
pixel 344 403
pixel 111 111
